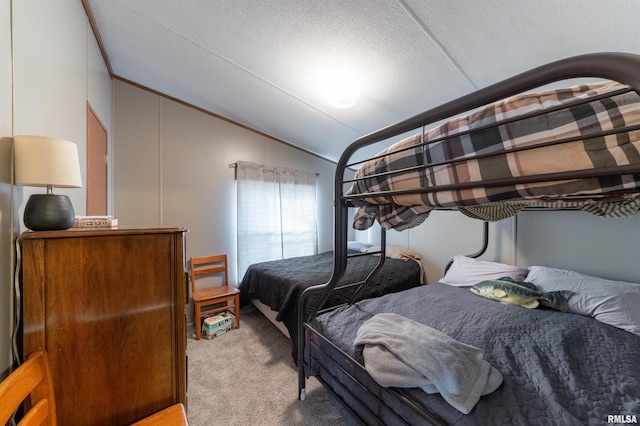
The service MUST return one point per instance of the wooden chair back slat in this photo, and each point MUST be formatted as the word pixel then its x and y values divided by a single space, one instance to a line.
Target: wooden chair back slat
pixel 197 268
pixel 31 382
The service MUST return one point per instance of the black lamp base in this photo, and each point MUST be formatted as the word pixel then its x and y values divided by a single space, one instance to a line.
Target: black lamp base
pixel 49 212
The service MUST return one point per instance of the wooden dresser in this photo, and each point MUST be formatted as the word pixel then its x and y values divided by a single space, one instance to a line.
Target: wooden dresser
pixel 109 308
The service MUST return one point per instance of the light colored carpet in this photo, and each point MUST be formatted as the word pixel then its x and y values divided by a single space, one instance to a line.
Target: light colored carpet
pixel 247 377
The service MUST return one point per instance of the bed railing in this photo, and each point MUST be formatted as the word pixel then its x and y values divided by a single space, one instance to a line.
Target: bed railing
pixel 620 67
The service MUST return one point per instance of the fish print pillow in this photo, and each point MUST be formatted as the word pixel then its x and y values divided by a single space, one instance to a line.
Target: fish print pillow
pixel 510 292
pixel 612 302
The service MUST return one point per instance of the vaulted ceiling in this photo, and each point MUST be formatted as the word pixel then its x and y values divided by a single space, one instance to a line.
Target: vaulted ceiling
pixel 262 63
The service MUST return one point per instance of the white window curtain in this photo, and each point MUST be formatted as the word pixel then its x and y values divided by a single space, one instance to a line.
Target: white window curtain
pixel 276 214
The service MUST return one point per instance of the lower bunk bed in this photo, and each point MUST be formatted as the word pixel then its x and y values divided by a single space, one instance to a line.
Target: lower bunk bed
pixel 277 284
pixel 556 368
pixel 501 151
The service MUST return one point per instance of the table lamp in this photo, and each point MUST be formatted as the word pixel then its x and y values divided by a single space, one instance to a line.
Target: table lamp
pixel 49 162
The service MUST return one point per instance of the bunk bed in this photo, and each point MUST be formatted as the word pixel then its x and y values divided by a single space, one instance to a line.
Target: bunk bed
pixel 276 285
pixel 501 150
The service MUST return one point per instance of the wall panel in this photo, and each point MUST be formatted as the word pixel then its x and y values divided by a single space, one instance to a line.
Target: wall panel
pixel 172 163
pixel 136 156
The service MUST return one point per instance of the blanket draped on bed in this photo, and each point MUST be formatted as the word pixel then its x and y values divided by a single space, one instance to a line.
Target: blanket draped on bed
pixel 477 160
pixel 399 352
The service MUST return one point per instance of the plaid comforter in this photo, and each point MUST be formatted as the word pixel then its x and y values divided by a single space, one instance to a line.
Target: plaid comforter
pixel 469 140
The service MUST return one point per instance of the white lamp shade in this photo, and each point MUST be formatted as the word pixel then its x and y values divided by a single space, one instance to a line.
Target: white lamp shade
pixel 43 161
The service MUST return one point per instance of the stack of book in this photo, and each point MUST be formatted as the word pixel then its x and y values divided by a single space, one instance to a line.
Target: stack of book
pixel 96 222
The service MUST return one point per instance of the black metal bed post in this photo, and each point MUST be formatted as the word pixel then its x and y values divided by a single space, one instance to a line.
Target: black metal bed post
pixel 383 256
pixel 341 222
pixel 341 210
pixel 485 245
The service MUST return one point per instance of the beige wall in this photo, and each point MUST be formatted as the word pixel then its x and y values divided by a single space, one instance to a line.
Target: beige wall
pixel 57 68
pixel 445 234
pixel 605 247
pixel 171 168
pixel 6 195
pixel 575 240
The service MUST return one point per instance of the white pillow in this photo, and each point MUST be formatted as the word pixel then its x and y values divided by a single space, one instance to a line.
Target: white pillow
pixel 616 303
pixel 466 271
pixel 357 246
pixel 396 252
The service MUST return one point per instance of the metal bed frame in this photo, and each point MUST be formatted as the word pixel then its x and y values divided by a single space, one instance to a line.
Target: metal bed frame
pixel 621 67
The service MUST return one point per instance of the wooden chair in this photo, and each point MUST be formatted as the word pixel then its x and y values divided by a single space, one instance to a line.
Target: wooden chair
pixel 208 265
pixel 32 381
pixel 173 415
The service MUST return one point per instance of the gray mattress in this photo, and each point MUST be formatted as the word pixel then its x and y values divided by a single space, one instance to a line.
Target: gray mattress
pixel 558 368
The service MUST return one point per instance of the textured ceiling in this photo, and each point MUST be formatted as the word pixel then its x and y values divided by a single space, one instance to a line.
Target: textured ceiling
pixel 257 62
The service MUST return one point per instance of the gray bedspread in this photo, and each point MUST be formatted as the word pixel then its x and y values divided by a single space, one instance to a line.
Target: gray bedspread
pixel 558 368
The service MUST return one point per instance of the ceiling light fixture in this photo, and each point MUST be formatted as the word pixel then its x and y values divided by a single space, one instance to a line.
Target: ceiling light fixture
pixel 340 87
pixel 342 97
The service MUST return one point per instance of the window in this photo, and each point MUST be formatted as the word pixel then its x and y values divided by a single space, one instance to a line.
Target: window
pixel 276 214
